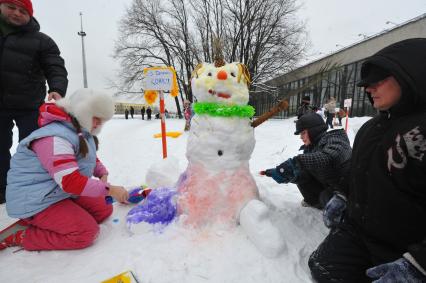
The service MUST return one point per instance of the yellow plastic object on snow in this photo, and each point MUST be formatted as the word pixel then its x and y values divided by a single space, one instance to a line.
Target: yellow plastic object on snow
pixel 125 277
pixel 169 134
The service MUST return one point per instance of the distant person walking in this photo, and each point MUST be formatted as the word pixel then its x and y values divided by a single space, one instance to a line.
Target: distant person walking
pixel 126 113
pixel 143 112
pixel 148 113
pixel 28 58
pixel 132 111
pixel 340 115
pixel 330 107
pixel 305 107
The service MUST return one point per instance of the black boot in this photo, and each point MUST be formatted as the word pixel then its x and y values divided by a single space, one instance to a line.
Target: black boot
pixel 2 195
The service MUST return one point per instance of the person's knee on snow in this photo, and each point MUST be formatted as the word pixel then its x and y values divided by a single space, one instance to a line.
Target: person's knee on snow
pixel 103 213
pixel 317 270
pixel 96 207
pixel 84 236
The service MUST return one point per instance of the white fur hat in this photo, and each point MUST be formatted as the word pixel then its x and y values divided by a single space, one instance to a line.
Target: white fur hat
pixel 84 104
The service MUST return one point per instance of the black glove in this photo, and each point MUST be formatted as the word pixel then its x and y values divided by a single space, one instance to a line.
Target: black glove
pixel 398 271
pixel 275 175
pixel 333 211
pixel 289 170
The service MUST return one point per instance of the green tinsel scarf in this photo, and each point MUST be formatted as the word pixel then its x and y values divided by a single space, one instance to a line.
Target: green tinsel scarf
pixel 221 110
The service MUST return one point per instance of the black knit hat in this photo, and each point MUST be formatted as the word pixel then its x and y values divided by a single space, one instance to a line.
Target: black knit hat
pixel 306 98
pixel 371 74
pixel 309 121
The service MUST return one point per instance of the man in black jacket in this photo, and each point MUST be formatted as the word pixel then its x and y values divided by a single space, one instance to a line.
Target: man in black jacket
pixel 148 113
pixel 143 112
pixel 27 59
pixel 132 111
pixel 379 233
pixel 305 107
pixel 324 165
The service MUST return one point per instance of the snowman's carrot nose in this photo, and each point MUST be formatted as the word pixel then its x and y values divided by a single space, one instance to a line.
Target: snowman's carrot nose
pixel 222 75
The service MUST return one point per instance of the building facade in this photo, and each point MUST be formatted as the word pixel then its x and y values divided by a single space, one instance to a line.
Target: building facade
pixel 334 75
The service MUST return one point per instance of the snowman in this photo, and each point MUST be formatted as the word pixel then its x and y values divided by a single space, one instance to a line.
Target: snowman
pixel 217 186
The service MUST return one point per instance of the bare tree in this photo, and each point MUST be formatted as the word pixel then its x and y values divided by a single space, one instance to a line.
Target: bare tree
pixel 151 35
pixel 263 34
pixel 267 37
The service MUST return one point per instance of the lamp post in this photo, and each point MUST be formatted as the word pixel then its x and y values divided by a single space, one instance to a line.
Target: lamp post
pixel 83 34
pixel 389 22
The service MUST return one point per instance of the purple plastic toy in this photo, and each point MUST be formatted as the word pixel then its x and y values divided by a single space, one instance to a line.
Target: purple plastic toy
pixel 136 195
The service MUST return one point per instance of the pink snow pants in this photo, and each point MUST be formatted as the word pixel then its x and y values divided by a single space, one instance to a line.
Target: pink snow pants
pixel 66 225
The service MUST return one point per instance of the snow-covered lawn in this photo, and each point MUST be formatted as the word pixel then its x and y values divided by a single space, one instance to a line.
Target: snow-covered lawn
pixel 179 254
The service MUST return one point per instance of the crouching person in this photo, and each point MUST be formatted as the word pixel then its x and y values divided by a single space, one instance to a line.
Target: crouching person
pixel 379 233
pixel 321 170
pixel 50 185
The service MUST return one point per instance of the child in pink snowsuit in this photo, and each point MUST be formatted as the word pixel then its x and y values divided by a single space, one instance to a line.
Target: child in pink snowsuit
pixel 50 185
pixel 188 114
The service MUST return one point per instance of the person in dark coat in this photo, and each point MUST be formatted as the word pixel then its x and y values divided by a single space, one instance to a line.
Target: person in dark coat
pixel 323 167
pixel 148 113
pixel 132 111
pixel 341 114
pixel 305 107
pixel 143 112
pixel 28 58
pixel 330 109
pixel 126 113
pixel 379 232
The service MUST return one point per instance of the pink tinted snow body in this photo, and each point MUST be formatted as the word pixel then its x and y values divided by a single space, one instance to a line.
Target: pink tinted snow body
pixel 205 197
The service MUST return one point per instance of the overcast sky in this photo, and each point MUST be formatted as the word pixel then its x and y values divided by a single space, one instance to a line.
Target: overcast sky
pixel 329 22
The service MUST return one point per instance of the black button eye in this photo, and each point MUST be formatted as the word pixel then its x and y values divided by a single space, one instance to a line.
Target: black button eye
pixel 233 74
pixel 219 152
pixel 209 74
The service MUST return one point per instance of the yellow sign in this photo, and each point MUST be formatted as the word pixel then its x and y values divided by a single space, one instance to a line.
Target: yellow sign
pixel 159 79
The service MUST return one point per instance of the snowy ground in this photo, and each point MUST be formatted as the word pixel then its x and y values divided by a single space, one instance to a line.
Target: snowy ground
pixel 179 254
